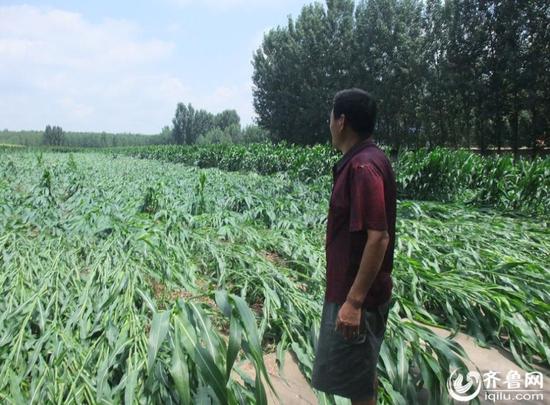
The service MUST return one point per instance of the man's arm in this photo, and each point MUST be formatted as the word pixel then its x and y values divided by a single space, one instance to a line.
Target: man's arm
pixel 367 213
pixel 371 261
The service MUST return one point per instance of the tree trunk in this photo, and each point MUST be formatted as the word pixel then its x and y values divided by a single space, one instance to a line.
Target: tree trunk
pixel 534 130
pixel 481 135
pixel 498 130
pixel 515 127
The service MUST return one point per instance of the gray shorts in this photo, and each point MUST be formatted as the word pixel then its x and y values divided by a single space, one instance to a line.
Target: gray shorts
pixel 348 367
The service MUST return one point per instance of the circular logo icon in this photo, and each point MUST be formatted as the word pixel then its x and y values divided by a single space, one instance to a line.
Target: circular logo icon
pixel 459 390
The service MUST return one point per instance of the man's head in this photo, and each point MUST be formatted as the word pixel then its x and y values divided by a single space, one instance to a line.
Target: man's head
pixel 353 116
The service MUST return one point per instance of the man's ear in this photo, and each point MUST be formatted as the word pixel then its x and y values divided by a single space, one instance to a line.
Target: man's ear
pixel 343 121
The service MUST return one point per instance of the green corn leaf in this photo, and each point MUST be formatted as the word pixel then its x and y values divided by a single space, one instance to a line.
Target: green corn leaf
pixel 211 373
pixel 233 346
pixel 159 330
pixel 131 385
pixel 180 372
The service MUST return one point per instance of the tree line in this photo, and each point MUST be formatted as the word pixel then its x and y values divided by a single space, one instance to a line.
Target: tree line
pixel 56 136
pixel 451 73
pixel 190 126
pixel 188 129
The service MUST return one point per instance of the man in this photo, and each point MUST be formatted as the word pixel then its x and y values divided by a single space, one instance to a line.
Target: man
pixel 359 249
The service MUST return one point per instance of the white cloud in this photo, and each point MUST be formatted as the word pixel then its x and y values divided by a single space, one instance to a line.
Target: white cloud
pixel 65 39
pixel 235 97
pixel 57 67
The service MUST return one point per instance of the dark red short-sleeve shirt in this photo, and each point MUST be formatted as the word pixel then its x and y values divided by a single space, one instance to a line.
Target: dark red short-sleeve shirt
pixel 363 197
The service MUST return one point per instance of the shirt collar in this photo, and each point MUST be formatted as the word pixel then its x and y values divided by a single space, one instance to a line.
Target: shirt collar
pixel 355 149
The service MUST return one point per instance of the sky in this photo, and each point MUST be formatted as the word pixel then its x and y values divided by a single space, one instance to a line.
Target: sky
pixel 122 66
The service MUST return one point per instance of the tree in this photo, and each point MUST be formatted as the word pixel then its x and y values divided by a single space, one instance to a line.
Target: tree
pixel 275 78
pixel 180 123
pixel 215 135
pixel 53 136
pixel 189 124
pixel 298 69
pixel 254 133
pixel 227 118
pixel 233 131
pixel 165 136
pixel 389 47
pixel 537 68
pixel 452 72
pixel 103 142
pixel 202 123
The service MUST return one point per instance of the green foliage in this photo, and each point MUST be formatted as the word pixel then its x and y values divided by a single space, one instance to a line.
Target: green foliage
pixel 445 175
pixel 105 305
pixel 254 134
pixel 84 139
pixel 53 136
pixel 201 356
pixel 227 118
pixel 199 204
pixel 182 124
pixel 46 185
pixel 39 158
pixel 214 136
pixel 446 251
pixel 71 163
pixel 298 69
pixel 151 200
pixel 202 127
pixel 452 73
pixel 521 186
pixel 233 134
pixel 165 136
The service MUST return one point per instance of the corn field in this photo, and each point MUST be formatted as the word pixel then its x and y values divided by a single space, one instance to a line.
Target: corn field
pixel 144 281
pixel 521 186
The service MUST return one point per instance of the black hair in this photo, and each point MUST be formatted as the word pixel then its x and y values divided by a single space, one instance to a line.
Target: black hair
pixel 359 107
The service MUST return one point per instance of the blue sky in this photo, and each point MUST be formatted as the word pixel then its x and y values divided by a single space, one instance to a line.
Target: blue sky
pixel 123 66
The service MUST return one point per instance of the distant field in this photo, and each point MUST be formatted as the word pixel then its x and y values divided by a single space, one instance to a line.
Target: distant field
pixel 7 145
pixel 78 139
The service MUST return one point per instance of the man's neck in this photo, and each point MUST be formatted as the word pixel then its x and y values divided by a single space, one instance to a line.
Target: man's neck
pixel 349 143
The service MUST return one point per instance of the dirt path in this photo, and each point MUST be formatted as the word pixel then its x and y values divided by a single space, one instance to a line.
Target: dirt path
pixel 498 360
pixel 293 388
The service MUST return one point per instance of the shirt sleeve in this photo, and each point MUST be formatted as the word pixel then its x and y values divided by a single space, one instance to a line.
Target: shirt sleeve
pixel 367 205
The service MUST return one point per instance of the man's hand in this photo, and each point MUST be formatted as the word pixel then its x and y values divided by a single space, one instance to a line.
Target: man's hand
pixel 348 321
pixel 350 314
